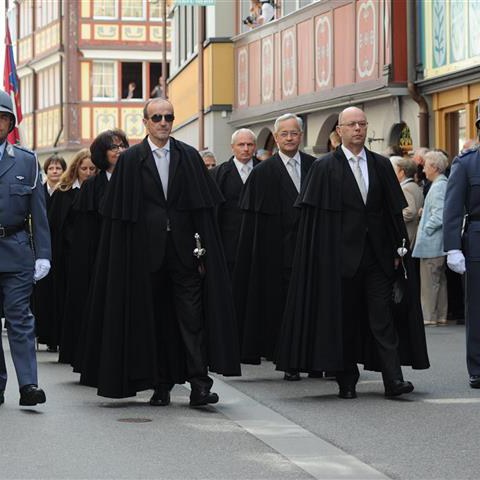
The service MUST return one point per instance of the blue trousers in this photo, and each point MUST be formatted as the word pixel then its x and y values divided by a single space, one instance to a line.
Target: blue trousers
pixel 472 316
pixel 15 291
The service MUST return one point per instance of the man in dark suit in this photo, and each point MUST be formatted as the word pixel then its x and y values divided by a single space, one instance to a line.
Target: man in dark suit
pixel 23 258
pixel 267 242
pixel 338 309
pixel 160 246
pixel 230 177
pixel 462 242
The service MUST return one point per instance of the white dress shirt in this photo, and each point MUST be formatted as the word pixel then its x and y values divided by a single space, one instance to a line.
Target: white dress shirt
pixel 162 163
pixel 362 156
pixel 298 164
pixel 244 169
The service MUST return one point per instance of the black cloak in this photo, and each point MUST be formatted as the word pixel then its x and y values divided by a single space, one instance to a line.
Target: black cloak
pixel 85 236
pixel 265 254
pixel 120 355
pixel 311 335
pixel 52 301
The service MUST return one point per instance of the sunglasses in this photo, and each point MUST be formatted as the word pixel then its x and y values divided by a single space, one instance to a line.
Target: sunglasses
pixel 115 148
pixel 157 117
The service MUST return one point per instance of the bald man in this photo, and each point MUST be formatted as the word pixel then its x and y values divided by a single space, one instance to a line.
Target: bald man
pixel 338 310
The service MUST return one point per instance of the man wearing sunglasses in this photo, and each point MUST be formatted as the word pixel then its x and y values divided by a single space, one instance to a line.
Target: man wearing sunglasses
pixel 174 318
pixel 338 310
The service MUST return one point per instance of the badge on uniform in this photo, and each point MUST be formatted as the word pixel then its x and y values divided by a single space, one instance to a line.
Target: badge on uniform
pixel 19 177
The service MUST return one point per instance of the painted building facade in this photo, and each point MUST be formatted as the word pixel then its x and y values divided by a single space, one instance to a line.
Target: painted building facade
pixel 449 62
pixel 77 62
pixel 321 58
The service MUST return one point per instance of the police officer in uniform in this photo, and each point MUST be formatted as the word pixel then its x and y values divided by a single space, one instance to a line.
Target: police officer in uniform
pixel 461 239
pixel 24 257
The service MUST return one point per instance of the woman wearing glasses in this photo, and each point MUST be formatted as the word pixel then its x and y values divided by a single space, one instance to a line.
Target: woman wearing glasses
pixel 105 151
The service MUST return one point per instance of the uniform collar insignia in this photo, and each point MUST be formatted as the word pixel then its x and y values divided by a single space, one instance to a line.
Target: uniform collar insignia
pixel 10 150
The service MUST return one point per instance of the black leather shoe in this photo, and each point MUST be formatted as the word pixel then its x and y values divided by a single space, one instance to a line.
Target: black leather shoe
pixel 315 374
pixel 292 376
pixel 2 397
pixel 202 396
pixel 52 348
pixel 30 395
pixel 160 398
pixel 398 387
pixel 347 393
pixel 474 381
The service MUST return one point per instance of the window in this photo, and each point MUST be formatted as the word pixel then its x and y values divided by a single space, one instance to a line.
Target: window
pixel 156 9
pixel 104 8
pixel 156 88
pixel 132 80
pixel 104 81
pixel 48 87
pixel 46 12
pixel 26 96
pixel 26 18
pixel 133 9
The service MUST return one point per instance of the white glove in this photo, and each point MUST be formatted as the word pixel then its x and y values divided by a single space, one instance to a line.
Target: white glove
pixel 42 267
pixel 456 261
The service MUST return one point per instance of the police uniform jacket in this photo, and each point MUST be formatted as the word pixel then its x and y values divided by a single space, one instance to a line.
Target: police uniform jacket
pixel 22 197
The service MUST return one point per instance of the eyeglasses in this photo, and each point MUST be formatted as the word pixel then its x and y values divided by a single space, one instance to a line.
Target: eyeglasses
pixel 354 124
pixel 115 148
pixel 293 133
pixel 157 117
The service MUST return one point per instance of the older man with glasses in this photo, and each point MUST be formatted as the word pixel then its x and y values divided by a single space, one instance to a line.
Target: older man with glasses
pixel 267 242
pixel 162 301
pixel 338 310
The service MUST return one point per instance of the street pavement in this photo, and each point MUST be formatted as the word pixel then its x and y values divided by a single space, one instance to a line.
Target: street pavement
pixel 263 427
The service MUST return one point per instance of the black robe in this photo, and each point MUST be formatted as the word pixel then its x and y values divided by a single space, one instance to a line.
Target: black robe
pixel 311 336
pixel 121 356
pixel 60 219
pixel 85 236
pixel 265 255
pixel 229 213
pixel 42 302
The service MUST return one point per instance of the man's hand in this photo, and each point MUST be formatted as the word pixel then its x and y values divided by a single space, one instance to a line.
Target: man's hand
pixel 42 267
pixel 456 261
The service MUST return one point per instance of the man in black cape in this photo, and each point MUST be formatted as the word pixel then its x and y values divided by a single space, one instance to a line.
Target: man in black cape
pixel 158 315
pixel 230 177
pixel 267 242
pixel 338 310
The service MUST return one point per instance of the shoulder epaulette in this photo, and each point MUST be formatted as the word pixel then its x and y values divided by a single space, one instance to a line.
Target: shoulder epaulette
pixel 468 151
pixel 24 149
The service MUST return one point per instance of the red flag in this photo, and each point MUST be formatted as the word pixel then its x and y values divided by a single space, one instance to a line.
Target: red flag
pixel 11 84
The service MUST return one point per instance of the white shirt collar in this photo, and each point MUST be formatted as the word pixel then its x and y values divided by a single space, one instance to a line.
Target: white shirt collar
pixel 109 175
pixel 240 165
pixel 286 158
pixel 154 147
pixel 362 155
pixel 76 184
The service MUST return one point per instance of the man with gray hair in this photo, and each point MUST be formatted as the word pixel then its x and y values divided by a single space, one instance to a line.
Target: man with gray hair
pixel 461 241
pixel 267 242
pixel 230 177
pixel 208 158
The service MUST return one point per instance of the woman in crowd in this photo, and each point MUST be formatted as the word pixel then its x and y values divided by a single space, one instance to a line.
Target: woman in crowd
pixel 60 217
pixel 53 167
pixel 429 243
pixel 405 170
pixel 105 150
